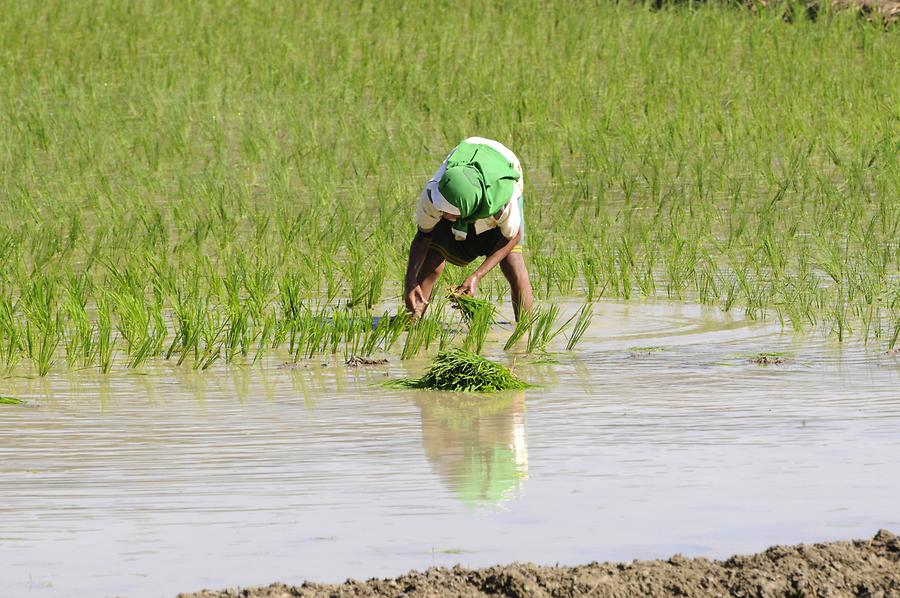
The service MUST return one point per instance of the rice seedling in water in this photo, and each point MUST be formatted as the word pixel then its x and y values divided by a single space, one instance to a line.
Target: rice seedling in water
pixel 264 336
pixel 469 306
pixel 415 336
pixel 43 342
pixel 422 332
pixel 463 371
pixel 541 333
pixel 105 341
pixel 894 337
pixel 582 321
pixel 700 197
pixel 479 323
pixel 10 335
pixel 523 325
pixel 376 334
pixel 397 325
pixel 211 332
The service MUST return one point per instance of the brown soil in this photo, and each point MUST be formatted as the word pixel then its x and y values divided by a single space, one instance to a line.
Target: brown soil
pixel 868 568
pixel 767 359
pixel 356 361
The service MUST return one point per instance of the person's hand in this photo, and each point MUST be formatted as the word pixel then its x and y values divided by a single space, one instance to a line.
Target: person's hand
pixel 469 286
pixel 416 302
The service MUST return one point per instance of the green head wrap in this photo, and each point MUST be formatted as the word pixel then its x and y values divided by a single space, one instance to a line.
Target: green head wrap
pixel 463 187
pixel 479 181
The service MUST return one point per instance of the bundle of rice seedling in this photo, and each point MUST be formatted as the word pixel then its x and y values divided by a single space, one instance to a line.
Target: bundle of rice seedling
pixel 463 371
pixel 469 306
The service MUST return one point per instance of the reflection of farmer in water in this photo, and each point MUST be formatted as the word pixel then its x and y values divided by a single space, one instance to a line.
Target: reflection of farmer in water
pixel 477 446
pixel 471 207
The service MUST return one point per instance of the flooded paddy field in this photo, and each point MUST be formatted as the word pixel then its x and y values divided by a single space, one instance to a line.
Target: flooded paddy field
pixel 207 208
pixel 663 434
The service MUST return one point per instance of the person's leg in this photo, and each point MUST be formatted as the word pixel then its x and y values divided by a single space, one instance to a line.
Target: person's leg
pixel 513 267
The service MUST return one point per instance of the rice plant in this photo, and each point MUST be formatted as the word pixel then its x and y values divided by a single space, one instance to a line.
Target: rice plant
pixel 469 306
pixel 459 370
pixel 479 322
pixel 151 210
pixel 541 332
pixel 523 325
pixel 582 322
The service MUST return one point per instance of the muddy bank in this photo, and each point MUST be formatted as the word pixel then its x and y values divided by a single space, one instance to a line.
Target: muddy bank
pixel 868 568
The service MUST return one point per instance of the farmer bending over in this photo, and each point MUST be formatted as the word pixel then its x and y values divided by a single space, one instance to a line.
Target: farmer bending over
pixel 471 207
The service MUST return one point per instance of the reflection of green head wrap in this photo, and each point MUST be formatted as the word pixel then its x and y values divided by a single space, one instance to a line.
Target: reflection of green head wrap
pixel 476 445
pixel 479 181
pixel 489 476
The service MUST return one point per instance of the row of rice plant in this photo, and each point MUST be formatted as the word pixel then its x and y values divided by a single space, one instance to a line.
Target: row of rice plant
pixel 200 335
pixel 204 183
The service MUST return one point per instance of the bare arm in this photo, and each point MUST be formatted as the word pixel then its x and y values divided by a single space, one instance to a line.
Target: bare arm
pixel 504 246
pixel 418 249
pixel 413 296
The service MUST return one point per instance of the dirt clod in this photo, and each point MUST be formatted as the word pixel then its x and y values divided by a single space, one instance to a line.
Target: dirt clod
pixel 356 361
pixel 855 568
pixel 767 359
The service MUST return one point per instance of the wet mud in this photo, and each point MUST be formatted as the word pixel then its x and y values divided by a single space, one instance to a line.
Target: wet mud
pixel 768 359
pixel 856 568
pixel 357 361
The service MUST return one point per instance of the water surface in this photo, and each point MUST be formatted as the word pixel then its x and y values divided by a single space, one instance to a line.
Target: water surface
pixel 657 436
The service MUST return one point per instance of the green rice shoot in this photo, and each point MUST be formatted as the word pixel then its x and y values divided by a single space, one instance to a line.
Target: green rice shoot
pixel 583 320
pixel 523 326
pixel 459 370
pixel 469 306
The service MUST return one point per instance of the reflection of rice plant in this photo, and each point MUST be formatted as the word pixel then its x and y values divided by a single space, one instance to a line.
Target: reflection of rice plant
pixel 463 371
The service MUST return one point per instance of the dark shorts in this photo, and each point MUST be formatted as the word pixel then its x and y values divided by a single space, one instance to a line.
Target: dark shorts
pixel 462 253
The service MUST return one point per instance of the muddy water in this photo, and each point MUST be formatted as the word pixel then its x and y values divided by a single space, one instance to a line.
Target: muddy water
pixel 658 436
